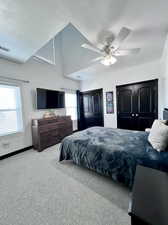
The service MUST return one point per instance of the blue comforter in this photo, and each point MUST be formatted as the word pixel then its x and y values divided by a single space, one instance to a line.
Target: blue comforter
pixel 112 152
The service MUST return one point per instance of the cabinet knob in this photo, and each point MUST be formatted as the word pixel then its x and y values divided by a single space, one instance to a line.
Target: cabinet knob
pixel 137 115
pixel 133 114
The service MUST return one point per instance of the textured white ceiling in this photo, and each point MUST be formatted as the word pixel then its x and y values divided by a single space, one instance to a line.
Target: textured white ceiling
pixel 25 26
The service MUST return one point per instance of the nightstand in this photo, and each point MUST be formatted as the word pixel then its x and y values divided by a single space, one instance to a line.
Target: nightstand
pixel 149 197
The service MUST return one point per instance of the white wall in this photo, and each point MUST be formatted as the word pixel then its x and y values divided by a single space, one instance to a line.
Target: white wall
pixel 109 79
pixel 164 64
pixel 39 75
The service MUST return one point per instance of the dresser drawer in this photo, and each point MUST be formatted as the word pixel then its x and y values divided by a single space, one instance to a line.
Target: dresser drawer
pixel 49 138
pixel 47 121
pixel 48 132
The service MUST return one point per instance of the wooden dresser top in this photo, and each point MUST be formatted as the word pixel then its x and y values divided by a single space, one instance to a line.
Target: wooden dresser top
pixel 45 121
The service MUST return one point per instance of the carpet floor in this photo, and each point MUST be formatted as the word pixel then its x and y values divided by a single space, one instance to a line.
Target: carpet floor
pixel 36 189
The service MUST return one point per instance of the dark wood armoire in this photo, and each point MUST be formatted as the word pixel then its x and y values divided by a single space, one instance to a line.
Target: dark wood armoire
pixel 137 105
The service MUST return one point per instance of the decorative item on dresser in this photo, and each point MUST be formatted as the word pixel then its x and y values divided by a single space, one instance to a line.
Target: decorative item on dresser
pixel 50 131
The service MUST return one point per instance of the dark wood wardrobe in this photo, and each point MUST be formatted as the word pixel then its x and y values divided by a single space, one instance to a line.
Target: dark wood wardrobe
pixel 91 109
pixel 137 105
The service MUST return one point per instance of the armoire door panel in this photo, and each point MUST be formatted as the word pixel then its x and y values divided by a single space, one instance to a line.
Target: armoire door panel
pixel 125 107
pixel 145 122
pixel 126 101
pixel 86 103
pixel 128 123
pixel 145 100
pixel 93 108
pixel 137 105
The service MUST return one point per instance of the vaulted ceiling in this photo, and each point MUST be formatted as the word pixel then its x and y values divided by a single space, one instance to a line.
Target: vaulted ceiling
pixel 27 25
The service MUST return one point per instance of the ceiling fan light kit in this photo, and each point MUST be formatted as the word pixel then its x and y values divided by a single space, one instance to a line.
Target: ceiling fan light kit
pixel 112 50
pixel 108 60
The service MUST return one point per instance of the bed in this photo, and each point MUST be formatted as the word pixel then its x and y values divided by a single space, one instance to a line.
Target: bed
pixel 112 152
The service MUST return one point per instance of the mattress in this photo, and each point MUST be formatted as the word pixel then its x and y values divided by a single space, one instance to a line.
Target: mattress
pixel 112 152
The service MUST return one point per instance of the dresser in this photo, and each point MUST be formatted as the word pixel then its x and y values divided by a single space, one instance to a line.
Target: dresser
pixel 50 131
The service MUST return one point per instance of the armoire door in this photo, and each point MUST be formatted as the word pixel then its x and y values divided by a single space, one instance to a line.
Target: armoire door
pixel 125 107
pixel 93 108
pixel 146 109
pixel 137 105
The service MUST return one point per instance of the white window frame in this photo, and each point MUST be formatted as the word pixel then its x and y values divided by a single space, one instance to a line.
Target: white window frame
pixel 72 107
pixel 19 110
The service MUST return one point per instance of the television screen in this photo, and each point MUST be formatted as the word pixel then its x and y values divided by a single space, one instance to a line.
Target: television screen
pixel 50 99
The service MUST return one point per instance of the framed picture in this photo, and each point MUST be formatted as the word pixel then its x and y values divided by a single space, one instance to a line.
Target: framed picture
pixel 109 102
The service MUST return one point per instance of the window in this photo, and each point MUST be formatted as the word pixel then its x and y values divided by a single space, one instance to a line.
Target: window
pixel 10 110
pixel 71 105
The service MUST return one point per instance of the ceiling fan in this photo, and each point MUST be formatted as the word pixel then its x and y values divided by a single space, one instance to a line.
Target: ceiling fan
pixel 112 48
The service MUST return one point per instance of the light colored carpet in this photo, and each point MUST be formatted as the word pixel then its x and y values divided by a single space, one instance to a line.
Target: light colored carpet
pixel 35 189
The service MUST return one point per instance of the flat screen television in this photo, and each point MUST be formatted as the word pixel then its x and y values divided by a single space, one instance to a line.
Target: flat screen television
pixel 50 99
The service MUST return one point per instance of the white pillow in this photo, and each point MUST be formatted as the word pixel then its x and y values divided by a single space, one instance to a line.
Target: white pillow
pixel 163 121
pixel 158 136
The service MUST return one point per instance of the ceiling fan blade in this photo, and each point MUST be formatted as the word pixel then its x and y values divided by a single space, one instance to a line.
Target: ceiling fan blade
pixel 92 48
pixel 127 52
pixel 123 34
pixel 97 59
